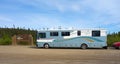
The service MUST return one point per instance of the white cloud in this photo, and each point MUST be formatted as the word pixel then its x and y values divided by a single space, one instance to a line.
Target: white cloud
pixel 5 19
pixel 60 5
pixel 41 20
pixel 111 7
pixel 104 12
pixel 75 7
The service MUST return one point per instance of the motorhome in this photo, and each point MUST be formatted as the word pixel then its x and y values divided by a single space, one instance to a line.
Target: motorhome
pixel 76 38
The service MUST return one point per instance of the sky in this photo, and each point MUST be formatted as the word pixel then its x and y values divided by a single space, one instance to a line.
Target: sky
pixel 38 14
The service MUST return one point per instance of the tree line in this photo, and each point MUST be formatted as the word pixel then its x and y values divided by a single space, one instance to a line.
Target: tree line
pixel 112 38
pixel 7 33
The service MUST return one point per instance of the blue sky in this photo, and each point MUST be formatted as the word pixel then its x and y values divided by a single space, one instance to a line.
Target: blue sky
pixel 36 14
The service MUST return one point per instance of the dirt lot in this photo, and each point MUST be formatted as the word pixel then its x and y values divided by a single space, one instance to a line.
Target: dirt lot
pixel 32 55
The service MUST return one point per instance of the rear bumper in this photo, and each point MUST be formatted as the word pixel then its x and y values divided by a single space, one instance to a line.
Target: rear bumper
pixel 117 47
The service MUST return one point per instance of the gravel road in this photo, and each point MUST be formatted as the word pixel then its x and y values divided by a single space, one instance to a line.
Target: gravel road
pixel 32 55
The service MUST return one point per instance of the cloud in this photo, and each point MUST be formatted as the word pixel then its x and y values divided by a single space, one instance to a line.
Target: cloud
pixel 110 7
pixel 5 19
pixel 105 13
pixel 58 5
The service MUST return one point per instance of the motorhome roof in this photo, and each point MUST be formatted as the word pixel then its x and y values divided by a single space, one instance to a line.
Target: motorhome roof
pixel 72 29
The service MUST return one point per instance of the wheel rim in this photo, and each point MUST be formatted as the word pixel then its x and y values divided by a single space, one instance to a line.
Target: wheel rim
pixel 46 46
pixel 83 46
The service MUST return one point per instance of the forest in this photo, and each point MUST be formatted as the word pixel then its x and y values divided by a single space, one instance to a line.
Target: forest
pixel 7 33
pixel 112 38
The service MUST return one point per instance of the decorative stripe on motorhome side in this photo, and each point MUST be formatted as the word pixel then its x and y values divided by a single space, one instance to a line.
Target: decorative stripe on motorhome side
pixel 91 39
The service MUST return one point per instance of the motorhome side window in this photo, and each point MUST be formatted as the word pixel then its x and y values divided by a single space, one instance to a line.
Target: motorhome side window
pixel 53 33
pixel 96 33
pixel 42 35
pixel 78 33
pixel 65 34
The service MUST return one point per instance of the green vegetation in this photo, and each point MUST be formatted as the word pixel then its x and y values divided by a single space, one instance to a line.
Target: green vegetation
pixel 114 37
pixel 5 40
pixel 7 33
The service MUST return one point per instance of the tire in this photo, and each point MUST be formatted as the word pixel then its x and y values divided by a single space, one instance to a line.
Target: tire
pixel 46 45
pixel 84 46
pixel 116 47
pixel 119 47
pixel 105 47
pixel 36 45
